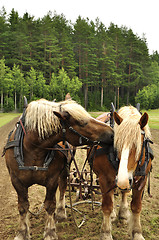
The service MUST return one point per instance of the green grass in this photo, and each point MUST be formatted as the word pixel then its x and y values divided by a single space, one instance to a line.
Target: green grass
pixel 7 117
pixel 153 118
pixel 95 114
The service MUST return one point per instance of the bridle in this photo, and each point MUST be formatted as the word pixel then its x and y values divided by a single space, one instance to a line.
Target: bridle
pixel 140 171
pixel 82 139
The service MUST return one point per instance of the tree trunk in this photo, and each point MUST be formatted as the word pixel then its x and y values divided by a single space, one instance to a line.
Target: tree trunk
pixel 7 98
pixel 30 46
pixel 86 85
pixel 115 105
pixel 102 94
pixel 128 91
pixel 86 95
pixel 50 64
pixel 15 101
pixel 2 100
pixel 80 71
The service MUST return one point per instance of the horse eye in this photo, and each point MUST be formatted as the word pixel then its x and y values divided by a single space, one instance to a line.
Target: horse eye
pixel 81 123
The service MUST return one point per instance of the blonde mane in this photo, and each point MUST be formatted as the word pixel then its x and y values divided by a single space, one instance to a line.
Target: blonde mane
pixel 128 133
pixel 40 117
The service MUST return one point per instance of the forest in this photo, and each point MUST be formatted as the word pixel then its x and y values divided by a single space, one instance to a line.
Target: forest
pixel 51 56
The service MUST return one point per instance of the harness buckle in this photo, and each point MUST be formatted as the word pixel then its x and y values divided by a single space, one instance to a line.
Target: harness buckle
pixel 80 140
pixel 36 168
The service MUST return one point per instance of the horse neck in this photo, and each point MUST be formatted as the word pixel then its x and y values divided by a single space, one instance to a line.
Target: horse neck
pixel 32 141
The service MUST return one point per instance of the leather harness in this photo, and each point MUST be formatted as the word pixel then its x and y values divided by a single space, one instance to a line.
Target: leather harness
pixel 114 161
pixel 17 144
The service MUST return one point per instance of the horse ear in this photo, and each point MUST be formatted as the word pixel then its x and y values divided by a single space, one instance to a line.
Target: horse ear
pixel 62 115
pixel 117 118
pixel 143 120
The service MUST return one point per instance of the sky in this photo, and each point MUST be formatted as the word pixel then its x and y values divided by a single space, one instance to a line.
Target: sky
pixel 140 15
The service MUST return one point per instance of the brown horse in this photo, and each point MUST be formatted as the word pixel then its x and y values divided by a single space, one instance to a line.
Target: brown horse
pixel 127 171
pixel 45 124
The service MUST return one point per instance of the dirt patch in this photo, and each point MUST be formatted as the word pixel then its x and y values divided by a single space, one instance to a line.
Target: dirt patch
pixel 91 228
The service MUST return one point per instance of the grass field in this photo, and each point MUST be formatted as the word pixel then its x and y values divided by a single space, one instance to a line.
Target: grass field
pixel 7 117
pixel 153 117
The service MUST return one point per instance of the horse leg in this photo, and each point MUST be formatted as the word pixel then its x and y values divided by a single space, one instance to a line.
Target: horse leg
pixel 50 205
pixel 113 213
pixel 60 213
pixel 124 213
pixel 107 208
pixel 135 225
pixel 23 207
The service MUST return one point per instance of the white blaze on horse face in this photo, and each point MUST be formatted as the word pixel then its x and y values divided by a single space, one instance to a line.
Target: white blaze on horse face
pixel 123 175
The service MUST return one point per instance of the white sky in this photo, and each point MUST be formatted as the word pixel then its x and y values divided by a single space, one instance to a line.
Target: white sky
pixel 142 16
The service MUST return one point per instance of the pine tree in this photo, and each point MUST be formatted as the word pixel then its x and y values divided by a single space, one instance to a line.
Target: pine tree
pixel 105 53
pixel 63 32
pixel 31 81
pixel 50 51
pixel 2 80
pixel 84 33
pixel 3 33
pixel 18 85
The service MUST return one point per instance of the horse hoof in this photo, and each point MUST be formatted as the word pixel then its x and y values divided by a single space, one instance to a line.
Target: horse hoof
pixel 106 236
pixel 51 238
pixel 124 215
pixel 138 236
pixel 50 235
pixel 60 215
pixel 60 218
pixel 22 235
pixel 113 216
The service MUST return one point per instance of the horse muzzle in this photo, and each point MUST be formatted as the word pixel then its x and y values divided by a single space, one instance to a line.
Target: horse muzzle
pixel 125 184
pixel 107 138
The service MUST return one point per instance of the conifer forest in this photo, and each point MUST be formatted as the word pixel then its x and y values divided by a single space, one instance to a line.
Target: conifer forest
pixel 51 56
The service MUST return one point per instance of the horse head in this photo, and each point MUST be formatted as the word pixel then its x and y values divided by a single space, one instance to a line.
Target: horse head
pixel 130 131
pixel 85 130
pixel 68 121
